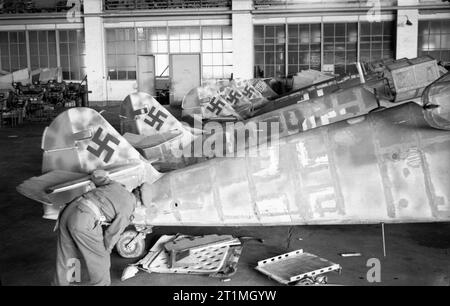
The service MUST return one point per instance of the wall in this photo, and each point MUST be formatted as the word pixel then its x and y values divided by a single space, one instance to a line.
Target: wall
pixel 118 90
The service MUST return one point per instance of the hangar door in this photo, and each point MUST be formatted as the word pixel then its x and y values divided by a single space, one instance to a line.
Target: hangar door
pixel 184 74
pixel 146 77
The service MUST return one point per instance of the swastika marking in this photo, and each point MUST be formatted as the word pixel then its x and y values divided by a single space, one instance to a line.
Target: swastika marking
pixel 103 145
pixel 260 86
pixel 249 91
pixel 215 106
pixel 154 118
pixel 141 111
pixel 233 97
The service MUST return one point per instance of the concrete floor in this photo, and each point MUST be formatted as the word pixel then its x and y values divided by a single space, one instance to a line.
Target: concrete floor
pixel 417 254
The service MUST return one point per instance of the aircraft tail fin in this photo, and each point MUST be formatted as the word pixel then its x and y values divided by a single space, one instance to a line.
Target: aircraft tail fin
pixel 141 114
pixel 80 140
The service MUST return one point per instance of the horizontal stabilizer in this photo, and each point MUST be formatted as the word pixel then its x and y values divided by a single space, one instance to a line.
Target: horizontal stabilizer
pixel 145 142
pixel 36 187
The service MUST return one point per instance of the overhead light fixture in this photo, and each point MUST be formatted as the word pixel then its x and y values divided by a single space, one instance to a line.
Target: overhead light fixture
pixel 408 22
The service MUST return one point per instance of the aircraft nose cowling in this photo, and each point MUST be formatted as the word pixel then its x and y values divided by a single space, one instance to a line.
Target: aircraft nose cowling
pixel 436 102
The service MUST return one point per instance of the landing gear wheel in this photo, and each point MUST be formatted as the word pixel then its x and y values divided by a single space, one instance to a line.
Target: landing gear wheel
pixel 127 248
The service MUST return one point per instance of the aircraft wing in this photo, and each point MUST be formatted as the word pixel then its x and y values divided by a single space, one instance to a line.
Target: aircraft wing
pixel 59 187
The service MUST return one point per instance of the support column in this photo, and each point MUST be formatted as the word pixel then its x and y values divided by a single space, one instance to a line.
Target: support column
pixel 407 34
pixel 95 51
pixel 243 49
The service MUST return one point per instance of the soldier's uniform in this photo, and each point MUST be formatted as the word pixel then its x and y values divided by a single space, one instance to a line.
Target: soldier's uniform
pixel 80 231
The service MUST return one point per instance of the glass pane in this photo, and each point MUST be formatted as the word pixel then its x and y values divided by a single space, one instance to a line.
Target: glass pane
pixel 217 59
pixel 185 46
pixel 161 33
pixel 175 46
pixel 259 32
pixel 4 38
pixel 227 45
pixel 217 45
pixel 207 59
pixel 194 45
pixel 228 58
pixel 121 75
pixel 207 72
pixel 162 63
pixel 110 35
pixel 194 33
pixel 217 72
pixel 207 45
pixel 435 27
pixel 112 74
pixel 132 75
pixel 174 33
pixel 163 46
pixel 226 32
pixel 227 70
pixel 184 33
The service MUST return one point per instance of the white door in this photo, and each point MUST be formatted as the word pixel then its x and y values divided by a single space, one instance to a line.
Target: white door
pixel 184 75
pixel 146 77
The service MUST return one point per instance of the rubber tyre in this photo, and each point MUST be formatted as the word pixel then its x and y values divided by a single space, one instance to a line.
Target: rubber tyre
pixel 135 250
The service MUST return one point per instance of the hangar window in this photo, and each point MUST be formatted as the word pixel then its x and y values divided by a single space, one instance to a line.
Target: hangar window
pixel 377 40
pixel 340 41
pixel 184 39
pixel 155 41
pixel 270 49
pixel 42 49
pixel 434 39
pixel 304 45
pixel 13 51
pixel 72 52
pixel 217 48
pixel 121 54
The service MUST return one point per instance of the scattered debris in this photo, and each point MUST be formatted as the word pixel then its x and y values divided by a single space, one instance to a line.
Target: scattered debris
pixel 212 255
pixel 297 267
pixel 350 254
pixel 182 247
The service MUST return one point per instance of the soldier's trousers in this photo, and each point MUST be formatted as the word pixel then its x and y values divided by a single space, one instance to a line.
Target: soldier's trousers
pixel 80 234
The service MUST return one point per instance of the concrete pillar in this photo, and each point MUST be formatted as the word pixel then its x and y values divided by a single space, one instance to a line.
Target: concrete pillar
pixel 95 51
pixel 407 35
pixel 243 53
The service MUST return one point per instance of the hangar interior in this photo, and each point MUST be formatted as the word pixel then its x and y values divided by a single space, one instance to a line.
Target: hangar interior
pixel 104 50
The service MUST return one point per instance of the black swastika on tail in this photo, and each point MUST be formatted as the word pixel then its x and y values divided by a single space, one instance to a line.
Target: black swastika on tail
pixel 141 111
pixel 103 145
pixel 154 118
pixel 215 106
pixel 249 91
pixel 233 97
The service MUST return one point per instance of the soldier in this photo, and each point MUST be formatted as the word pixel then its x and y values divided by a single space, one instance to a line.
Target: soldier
pixel 80 228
